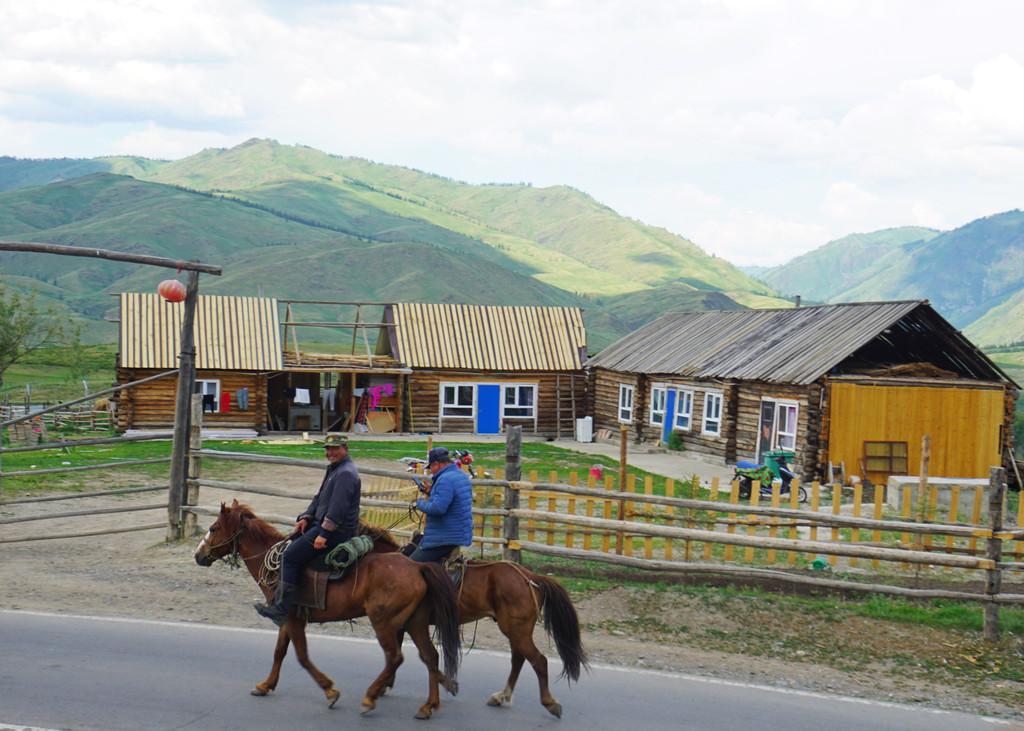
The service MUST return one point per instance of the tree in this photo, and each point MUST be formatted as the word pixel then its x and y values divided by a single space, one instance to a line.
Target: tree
pixel 26 326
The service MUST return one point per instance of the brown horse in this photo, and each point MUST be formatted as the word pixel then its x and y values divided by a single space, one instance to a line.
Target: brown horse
pixel 514 597
pixel 395 593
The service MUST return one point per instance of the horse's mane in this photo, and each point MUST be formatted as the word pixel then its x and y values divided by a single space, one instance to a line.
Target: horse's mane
pixel 252 526
pixel 376 533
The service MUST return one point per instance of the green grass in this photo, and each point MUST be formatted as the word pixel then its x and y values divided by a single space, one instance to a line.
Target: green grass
pixel 487 455
pixel 56 374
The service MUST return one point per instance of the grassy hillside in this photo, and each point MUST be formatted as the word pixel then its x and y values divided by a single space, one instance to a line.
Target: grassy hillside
pixel 831 273
pixel 296 223
pixel 1002 325
pixel 257 249
pixel 564 237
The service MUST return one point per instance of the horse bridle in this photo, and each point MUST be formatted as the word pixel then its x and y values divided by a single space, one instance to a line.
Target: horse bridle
pixel 232 558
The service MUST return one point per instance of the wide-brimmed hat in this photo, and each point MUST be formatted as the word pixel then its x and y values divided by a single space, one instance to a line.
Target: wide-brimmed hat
pixel 437 454
pixel 335 440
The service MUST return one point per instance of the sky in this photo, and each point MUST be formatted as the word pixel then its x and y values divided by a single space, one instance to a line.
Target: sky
pixel 757 129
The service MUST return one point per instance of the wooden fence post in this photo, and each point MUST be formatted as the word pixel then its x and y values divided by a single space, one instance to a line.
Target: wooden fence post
pixel 513 473
pixel 993 576
pixel 623 436
pixel 195 462
pixel 186 383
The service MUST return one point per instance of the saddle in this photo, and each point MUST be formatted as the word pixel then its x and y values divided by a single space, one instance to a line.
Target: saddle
pixel 334 565
pixel 454 563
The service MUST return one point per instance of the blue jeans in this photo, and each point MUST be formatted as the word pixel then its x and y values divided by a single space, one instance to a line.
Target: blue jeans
pixel 434 553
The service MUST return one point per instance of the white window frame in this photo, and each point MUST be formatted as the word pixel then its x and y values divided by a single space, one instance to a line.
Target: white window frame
pixel 791 431
pixel 714 404
pixel 683 418
pixel 206 386
pixel 457 406
pixel 626 393
pixel 659 399
pixel 517 389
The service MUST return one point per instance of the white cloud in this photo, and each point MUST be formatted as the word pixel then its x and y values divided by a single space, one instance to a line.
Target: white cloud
pixel 749 237
pixel 168 144
pixel 749 126
pixel 846 204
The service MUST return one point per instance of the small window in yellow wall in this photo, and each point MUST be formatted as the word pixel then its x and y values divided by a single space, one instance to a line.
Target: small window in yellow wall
pixel 888 457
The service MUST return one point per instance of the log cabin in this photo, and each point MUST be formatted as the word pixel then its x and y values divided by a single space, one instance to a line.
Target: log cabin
pixel 848 389
pixel 237 346
pixel 478 369
pixel 426 368
pixel 249 381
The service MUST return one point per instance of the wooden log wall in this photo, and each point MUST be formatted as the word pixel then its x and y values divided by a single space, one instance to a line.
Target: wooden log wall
pixel 740 418
pixel 747 419
pixel 605 395
pixel 151 405
pixel 556 394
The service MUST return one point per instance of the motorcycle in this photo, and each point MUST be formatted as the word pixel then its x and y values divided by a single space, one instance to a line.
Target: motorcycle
pixel 461 457
pixel 749 472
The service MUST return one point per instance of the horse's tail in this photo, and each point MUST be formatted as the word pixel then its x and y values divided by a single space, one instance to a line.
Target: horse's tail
pixel 563 625
pixel 444 612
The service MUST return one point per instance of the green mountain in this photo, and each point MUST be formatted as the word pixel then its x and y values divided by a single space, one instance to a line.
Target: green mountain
pixel 830 272
pixel 973 275
pixel 295 223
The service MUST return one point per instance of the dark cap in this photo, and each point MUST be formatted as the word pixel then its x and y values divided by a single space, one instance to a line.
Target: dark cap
pixel 335 440
pixel 437 454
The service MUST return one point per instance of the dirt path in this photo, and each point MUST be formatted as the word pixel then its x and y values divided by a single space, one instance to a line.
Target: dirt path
pixel 138 575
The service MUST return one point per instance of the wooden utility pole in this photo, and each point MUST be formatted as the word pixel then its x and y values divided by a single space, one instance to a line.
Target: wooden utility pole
pixel 182 412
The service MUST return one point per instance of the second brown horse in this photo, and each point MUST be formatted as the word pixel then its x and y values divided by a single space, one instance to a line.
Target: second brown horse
pixel 516 599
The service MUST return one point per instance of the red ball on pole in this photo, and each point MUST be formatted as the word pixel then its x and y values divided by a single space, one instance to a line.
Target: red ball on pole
pixel 172 290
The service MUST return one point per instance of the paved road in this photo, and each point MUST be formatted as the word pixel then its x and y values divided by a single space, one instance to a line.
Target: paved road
pixel 87 673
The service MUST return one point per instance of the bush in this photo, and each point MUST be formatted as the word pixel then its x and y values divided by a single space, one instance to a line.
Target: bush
pixel 675 442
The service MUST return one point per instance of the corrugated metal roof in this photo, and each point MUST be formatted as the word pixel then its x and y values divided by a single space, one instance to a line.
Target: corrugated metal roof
pixel 231 333
pixel 479 338
pixel 795 345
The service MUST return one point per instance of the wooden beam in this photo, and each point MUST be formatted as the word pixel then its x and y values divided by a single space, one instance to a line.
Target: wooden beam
pixel 157 261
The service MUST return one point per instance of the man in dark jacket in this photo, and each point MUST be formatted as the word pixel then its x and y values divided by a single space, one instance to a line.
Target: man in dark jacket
pixel 448 505
pixel 331 518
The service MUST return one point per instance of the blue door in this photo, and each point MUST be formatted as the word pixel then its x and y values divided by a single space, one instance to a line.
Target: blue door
pixel 488 409
pixel 670 415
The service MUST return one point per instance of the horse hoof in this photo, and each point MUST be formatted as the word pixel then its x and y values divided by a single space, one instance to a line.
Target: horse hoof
pixel 555 709
pixel 260 689
pixel 366 707
pixel 494 701
pixel 332 697
pixel 422 715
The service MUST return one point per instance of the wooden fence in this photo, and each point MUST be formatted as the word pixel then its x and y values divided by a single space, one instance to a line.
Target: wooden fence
pixel 662 531
pixel 671 527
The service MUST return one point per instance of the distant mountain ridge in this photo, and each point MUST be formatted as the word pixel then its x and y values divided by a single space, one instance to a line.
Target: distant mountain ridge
pixel 972 275
pixel 297 223
pixel 293 222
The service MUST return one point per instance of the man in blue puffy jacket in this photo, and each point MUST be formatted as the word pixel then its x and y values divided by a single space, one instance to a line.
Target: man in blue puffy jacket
pixel 448 505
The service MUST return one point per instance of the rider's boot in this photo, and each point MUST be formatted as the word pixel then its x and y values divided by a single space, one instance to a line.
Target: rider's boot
pixel 283 598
